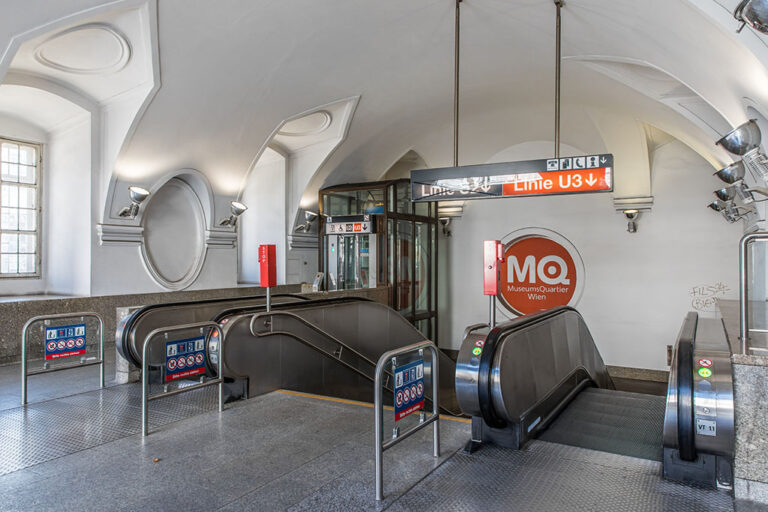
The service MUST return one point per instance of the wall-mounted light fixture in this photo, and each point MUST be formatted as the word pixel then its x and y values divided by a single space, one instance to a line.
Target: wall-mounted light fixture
pixel 137 195
pixel 742 139
pixel 631 216
pixel 445 222
pixel 309 217
pixel 753 13
pixel 732 173
pixel 729 210
pixel 237 208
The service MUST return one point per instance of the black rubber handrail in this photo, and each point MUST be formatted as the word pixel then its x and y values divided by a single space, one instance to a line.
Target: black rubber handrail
pixel 492 342
pixel 686 430
pixel 122 333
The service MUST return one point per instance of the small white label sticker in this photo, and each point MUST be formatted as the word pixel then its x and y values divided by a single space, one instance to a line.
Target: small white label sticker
pixel 706 427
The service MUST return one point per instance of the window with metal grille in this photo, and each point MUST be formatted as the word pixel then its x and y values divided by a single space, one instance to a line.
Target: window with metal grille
pixel 19 209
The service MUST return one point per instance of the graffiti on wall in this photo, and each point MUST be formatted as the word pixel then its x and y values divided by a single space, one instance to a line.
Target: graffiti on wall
pixel 704 298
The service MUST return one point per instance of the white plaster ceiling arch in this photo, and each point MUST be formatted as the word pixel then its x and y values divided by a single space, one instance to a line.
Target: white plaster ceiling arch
pixel 43 109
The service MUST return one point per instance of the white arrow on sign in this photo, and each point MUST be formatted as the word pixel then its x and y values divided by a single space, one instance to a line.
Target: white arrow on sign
pixel 590 181
pixel 603 160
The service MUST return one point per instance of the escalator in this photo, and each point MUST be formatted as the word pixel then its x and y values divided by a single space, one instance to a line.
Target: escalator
pixel 540 377
pixel 326 346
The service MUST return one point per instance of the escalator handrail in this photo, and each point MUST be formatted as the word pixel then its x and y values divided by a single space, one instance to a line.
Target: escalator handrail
pixel 492 343
pixel 686 431
pixel 122 331
pixel 308 324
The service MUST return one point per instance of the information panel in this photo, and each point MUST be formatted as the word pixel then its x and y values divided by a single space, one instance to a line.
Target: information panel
pixel 64 341
pixel 409 389
pixel 570 175
pixel 184 358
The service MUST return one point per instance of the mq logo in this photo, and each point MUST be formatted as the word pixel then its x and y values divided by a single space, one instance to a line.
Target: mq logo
pixel 541 270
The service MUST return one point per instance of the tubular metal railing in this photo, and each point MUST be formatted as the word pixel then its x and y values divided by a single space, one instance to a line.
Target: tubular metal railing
pixel 146 396
pixel 391 358
pixel 744 244
pixel 25 372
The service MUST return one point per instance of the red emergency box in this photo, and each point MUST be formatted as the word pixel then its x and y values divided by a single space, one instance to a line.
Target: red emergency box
pixel 268 265
pixel 493 254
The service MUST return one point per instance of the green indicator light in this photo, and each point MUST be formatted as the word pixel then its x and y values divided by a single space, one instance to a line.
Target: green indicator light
pixel 705 372
pixel 477 351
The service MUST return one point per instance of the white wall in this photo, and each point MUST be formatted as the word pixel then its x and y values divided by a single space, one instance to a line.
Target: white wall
pixel 638 286
pixel 265 220
pixel 67 211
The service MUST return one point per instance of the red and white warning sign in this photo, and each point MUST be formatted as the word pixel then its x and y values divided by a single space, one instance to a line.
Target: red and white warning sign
pixel 399 398
pixel 199 358
pixel 51 346
pixel 190 360
pixel 419 389
pixel 706 363
pixel 80 342
pixel 171 364
pixel 61 344
pixel 70 343
pixel 407 395
pixel 182 362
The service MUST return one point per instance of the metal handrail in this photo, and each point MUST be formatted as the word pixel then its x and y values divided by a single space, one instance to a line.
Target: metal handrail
pixel 311 326
pixel 743 286
pixel 390 357
pixel 83 362
pixel 146 397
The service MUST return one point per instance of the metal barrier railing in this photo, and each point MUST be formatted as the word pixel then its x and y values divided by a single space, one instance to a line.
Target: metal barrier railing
pixel 146 397
pixel 391 358
pixel 744 244
pixel 76 343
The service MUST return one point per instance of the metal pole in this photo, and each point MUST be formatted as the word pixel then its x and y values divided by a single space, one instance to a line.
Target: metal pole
pixel 457 30
pixel 379 432
pixel 435 402
pixel 220 375
pixel 145 388
pixel 269 299
pixel 492 312
pixel 24 365
pixel 558 5
pixel 101 351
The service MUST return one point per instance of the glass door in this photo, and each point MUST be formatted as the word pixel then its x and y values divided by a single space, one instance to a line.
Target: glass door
pixel 349 275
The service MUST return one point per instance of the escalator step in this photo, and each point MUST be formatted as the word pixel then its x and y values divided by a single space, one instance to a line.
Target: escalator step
pixel 611 421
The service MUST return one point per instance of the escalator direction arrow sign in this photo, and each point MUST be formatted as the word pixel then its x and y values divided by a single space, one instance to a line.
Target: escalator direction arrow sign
pixel 570 175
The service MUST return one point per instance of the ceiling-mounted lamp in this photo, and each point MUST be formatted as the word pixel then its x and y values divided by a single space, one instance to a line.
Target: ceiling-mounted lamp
pixel 137 195
pixel 631 216
pixel 753 13
pixel 237 208
pixel 743 139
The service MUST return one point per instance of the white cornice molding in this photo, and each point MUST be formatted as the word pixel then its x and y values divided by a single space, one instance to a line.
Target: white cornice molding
pixel 114 234
pixel 220 239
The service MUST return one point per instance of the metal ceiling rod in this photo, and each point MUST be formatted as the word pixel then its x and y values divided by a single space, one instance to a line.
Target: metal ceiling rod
pixel 558 4
pixel 456 86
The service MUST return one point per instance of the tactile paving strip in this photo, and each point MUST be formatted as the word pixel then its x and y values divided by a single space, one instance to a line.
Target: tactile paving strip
pixel 47 430
pixel 552 477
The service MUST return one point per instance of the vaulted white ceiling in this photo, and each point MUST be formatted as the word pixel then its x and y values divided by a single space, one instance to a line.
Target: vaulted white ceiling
pixel 232 71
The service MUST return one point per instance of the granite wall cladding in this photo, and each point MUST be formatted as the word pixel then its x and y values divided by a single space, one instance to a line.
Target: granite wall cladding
pixel 750 382
pixel 14 314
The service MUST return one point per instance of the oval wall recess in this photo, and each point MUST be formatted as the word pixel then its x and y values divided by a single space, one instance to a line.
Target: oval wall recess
pixel 174 248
